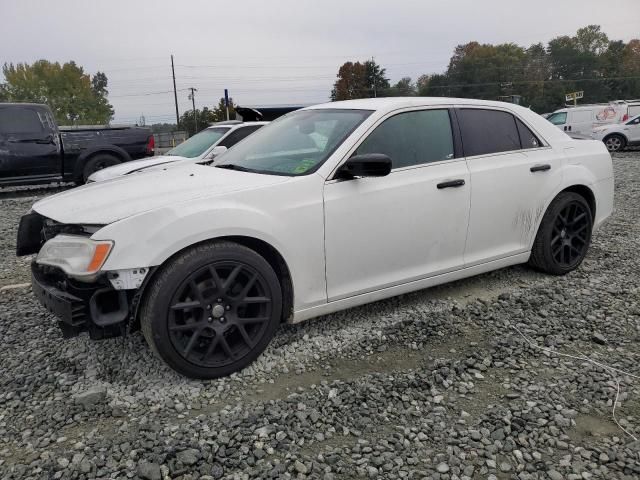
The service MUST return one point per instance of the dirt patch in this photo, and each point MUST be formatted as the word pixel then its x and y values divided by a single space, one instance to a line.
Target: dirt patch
pixel 590 426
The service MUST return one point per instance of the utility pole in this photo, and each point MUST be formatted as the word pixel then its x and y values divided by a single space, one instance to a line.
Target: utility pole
pixel 226 102
pixel 373 68
pixel 192 97
pixel 175 93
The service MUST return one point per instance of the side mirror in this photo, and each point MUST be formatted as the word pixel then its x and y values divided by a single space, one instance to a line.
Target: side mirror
pixel 217 151
pixel 366 165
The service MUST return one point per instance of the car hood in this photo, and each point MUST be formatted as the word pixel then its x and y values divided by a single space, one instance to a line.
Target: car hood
pixel 134 165
pixel 106 202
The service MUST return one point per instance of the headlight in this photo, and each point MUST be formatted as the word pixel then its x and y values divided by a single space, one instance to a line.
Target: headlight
pixel 75 255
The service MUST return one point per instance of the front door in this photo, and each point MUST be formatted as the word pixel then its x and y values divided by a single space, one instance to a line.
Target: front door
pixel 632 130
pixel 411 224
pixel 513 174
pixel 29 145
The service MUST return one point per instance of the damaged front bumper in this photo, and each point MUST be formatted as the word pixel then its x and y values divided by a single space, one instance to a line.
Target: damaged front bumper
pixel 96 308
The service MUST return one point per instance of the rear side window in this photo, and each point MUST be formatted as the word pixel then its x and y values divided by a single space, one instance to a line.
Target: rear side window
pixel 412 138
pixel 527 137
pixel 487 131
pixel 20 121
pixel 237 135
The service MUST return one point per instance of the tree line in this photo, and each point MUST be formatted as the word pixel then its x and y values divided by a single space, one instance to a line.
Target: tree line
pixel 74 96
pixel 540 75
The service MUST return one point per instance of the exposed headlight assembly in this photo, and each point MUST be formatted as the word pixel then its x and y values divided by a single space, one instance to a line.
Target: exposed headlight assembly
pixel 75 255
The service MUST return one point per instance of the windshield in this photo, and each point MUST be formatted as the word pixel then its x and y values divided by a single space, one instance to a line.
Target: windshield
pixel 296 144
pixel 558 118
pixel 199 143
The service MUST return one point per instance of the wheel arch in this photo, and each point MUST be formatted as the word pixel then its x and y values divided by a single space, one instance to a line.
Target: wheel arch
pixel 585 192
pixel 264 249
pixel 616 134
pixel 581 189
pixel 90 153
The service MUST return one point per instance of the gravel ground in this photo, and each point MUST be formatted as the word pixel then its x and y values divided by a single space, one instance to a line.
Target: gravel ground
pixel 457 382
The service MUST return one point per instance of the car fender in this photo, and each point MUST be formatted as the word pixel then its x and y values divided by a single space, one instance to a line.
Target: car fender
pixel 169 231
pixel 573 175
pixel 616 131
pixel 294 229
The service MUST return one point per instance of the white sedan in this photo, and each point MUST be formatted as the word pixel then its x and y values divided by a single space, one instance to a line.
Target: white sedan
pixel 327 208
pixel 619 135
pixel 203 146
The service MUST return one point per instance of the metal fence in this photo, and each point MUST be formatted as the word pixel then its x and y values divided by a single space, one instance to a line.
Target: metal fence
pixel 167 140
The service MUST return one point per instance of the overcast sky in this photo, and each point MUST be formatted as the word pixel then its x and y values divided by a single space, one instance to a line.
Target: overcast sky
pixel 275 51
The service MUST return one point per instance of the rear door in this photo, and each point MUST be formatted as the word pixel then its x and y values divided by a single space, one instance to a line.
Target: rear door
pixel 29 143
pixel 513 174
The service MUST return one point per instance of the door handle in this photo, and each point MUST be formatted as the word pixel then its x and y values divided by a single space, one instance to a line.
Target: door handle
pixel 540 168
pixel 451 184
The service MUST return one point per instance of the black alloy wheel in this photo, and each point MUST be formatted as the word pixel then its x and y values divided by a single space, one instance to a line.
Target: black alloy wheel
pixel 564 235
pixel 218 313
pixel 570 234
pixel 212 309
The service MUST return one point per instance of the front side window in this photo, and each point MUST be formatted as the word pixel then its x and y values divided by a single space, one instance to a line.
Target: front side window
pixel 487 131
pixel 412 138
pixel 559 118
pixel 199 143
pixel 635 121
pixel 296 144
pixel 20 121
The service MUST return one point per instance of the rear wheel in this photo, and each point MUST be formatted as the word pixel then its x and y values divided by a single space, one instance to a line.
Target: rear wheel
pixel 615 142
pixel 98 162
pixel 212 310
pixel 564 235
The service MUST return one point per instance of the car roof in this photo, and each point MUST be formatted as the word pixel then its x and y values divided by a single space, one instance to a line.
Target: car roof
pixel 235 124
pixel 393 103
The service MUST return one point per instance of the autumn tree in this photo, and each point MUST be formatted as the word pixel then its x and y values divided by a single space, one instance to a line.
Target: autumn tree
pixel 73 95
pixel 542 75
pixel 360 80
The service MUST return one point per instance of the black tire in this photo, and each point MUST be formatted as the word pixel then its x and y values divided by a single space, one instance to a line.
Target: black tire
pixel 98 162
pixel 615 142
pixel 202 320
pixel 564 235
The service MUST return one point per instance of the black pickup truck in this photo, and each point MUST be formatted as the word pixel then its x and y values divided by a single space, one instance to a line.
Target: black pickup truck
pixel 34 150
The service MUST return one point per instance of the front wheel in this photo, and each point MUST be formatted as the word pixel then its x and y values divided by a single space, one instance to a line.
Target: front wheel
pixel 212 310
pixel 564 235
pixel 615 143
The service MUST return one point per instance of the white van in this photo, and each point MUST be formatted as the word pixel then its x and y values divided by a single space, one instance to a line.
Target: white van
pixel 585 118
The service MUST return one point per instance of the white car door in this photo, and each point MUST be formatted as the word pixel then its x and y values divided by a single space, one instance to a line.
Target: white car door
pixel 411 224
pixel 513 175
pixel 632 130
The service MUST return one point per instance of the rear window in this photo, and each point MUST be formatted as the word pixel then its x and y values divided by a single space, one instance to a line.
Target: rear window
pixel 559 118
pixel 20 121
pixel 487 131
pixel 527 138
pixel 239 134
